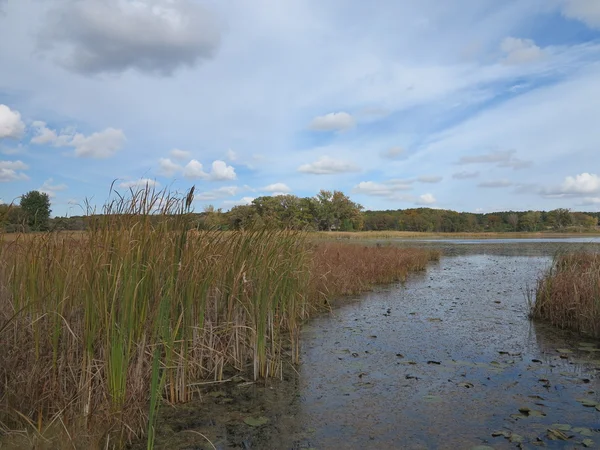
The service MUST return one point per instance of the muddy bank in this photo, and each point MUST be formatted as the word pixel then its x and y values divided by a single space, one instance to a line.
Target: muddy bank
pixel 449 360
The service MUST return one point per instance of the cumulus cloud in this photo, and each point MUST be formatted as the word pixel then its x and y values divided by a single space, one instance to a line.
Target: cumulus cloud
pixel 11 171
pixel 112 36
pixel 495 184
pixel 101 144
pixel 500 158
pixel 393 153
pixel 465 175
pixel 11 125
pixel 387 189
pixel 231 155
pixel 520 51
pixel 141 183
pixel 168 168
pixel 277 187
pixel 241 201
pixel 429 179
pixel 326 165
pixel 180 155
pixel 584 183
pixel 587 11
pixel 215 194
pixel 339 121
pixel 51 189
pixel 426 199
pixel 220 171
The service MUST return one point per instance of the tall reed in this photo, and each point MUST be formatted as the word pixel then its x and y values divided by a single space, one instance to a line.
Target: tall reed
pixel 98 328
pixel 568 294
pixel 92 328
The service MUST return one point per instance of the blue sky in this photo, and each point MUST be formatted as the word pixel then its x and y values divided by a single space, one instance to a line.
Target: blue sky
pixel 471 105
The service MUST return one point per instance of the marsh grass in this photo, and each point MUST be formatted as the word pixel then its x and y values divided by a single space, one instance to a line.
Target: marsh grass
pixel 97 329
pixel 568 294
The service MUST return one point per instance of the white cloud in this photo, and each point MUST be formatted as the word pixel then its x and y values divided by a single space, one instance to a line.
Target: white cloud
pixel 215 194
pixel 520 51
pixel 51 189
pixel 11 125
pixel 241 201
pixel 168 168
pixel 393 152
pixel 101 144
pixel 463 175
pixel 180 155
pixel 584 183
pixel 112 36
pixel 220 171
pixel 339 121
pixel 194 170
pixel 231 155
pixel 387 189
pixel 429 179
pixel 142 183
pixel 426 199
pixel 587 11
pixel 590 201
pixel 9 171
pixel 326 165
pixel 501 158
pixel 43 134
pixel 495 184
pixel 277 187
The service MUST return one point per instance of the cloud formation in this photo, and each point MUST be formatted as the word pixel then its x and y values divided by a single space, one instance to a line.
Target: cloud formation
pixel 277 187
pixel 336 121
pixel 326 165
pixel 393 152
pixel 495 184
pixel 429 179
pixel 465 174
pixel 587 11
pixel 500 158
pixel 520 51
pixel 11 125
pixel 142 183
pixel 220 171
pixel 100 145
pixel 111 36
pixel 11 171
pixel 51 189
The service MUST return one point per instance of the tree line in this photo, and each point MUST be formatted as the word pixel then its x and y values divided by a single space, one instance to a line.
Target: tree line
pixel 327 211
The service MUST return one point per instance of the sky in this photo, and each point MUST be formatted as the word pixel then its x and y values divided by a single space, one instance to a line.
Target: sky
pixel 470 105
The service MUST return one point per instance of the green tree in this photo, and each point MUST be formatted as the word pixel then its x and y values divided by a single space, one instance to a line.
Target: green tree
pixel 36 206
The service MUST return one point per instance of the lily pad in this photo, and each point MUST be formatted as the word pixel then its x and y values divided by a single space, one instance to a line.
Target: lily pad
pixel 432 398
pixel 504 433
pixel 516 438
pixel 564 350
pixel 466 384
pixel 588 402
pixel 598 407
pixel 587 443
pixel 524 409
pixel 583 431
pixel 256 421
pixel 561 426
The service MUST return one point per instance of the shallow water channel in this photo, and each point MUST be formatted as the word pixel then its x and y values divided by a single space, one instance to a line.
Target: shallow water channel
pixel 449 360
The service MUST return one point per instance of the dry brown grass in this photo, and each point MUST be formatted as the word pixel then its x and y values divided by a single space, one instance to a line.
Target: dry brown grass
pixel 344 269
pixel 97 328
pixel 568 295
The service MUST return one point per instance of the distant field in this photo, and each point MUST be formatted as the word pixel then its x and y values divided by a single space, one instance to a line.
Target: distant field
pixel 427 235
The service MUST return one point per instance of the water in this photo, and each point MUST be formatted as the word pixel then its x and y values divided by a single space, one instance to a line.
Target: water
pixel 445 361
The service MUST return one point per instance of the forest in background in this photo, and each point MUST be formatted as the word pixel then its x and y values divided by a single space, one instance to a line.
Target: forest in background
pixel 333 210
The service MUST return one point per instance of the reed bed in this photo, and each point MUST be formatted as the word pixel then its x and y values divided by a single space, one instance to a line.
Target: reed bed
pixel 97 329
pixel 568 294
pixel 344 269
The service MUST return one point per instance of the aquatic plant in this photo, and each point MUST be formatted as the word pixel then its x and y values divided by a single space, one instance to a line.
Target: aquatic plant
pixel 98 328
pixel 568 294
